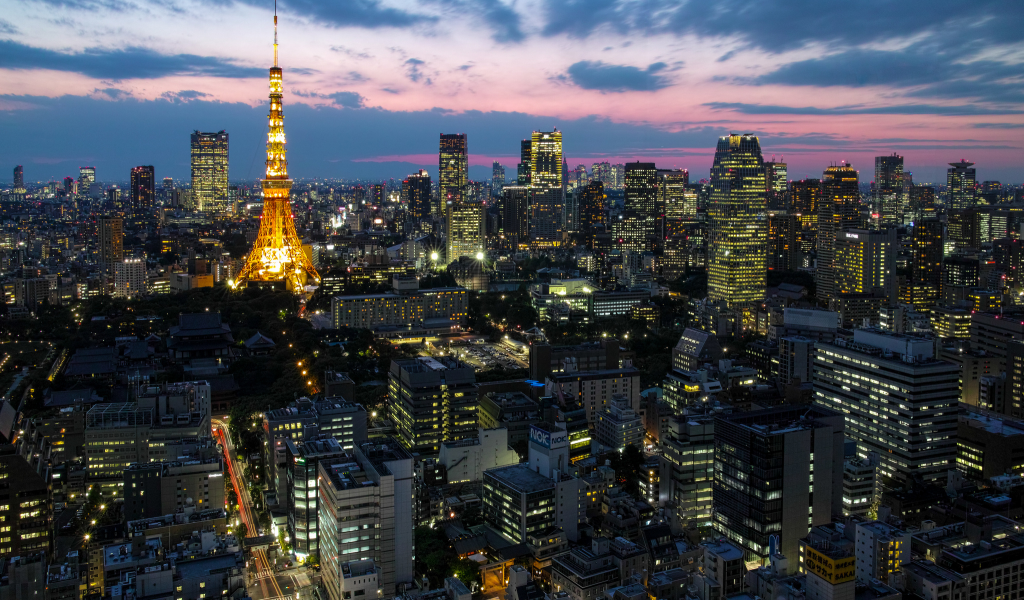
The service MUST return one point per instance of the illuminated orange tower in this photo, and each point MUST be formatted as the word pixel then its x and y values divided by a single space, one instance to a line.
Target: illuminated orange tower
pixel 277 256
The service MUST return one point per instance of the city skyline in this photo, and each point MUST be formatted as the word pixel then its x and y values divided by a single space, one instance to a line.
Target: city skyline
pixel 918 84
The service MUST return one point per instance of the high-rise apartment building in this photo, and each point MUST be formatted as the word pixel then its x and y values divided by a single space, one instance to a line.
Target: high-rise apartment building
pixel 111 243
pixel 961 186
pixel 838 210
pixel 548 192
pixel 899 400
pixel 778 472
pixel 432 401
pixel 737 223
pixel 130 278
pixel 416 194
pixel 19 180
pixel 889 188
pixel 210 172
pixel 366 511
pixel 515 214
pixel 927 250
pixel 143 190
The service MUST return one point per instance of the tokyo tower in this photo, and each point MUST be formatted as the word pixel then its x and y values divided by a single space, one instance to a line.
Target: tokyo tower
pixel 277 256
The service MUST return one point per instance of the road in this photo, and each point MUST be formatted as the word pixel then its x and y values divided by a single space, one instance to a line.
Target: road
pixel 260 570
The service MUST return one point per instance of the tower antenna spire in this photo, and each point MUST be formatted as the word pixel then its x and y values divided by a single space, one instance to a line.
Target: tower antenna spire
pixel 275 33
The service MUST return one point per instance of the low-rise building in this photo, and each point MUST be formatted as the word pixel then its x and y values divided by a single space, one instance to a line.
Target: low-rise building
pixel 466 460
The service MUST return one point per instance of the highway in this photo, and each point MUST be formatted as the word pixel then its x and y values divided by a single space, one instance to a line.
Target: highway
pixel 260 570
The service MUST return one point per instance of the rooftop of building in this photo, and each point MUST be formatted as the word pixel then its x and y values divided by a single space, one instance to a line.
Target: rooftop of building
pixel 179 518
pixel 358 568
pixel 521 478
pixel 198 567
pixel 383 450
pixel 779 419
pixel 724 549
pixel 1002 426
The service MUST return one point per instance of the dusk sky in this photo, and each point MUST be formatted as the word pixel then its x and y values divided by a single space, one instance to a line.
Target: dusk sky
pixel 370 84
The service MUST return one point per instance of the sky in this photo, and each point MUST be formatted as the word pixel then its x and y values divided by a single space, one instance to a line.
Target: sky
pixel 370 84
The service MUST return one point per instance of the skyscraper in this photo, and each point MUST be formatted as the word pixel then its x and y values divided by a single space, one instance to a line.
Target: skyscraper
pixel 69 185
pixel 960 185
pixel 111 244
pixel 277 256
pixel 776 176
pixel 548 194
pixel 643 202
pixel 927 250
pixel 86 177
pixel 838 210
pixel 591 209
pixel 525 162
pixel 515 214
pixel 864 260
pixel 19 180
pixel 783 248
pixel 143 192
pixel 738 228
pixel 497 178
pixel 465 229
pixel 889 188
pixel 210 172
pixel 778 472
pixel 602 172
pixel 416 192
pixel 580 177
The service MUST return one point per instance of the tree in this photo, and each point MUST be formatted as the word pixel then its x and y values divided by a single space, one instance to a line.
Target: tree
pixel 467 571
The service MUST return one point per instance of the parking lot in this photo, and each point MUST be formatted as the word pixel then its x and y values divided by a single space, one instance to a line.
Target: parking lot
pixel 490 356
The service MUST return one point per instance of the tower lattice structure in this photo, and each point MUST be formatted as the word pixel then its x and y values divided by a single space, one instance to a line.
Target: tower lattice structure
pixel 277 254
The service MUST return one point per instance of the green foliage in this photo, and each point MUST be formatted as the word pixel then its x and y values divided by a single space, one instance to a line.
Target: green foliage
pixel 435 558
pixel 467 571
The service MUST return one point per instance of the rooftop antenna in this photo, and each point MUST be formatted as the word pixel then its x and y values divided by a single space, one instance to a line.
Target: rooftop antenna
pixel 275 33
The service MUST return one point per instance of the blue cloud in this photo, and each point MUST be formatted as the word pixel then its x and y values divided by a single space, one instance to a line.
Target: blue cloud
pixel 506 24
pixel 781 26
pixel 347 99
pixel 348 13
pixel 127 63
pixel 899 109
pixel 597 75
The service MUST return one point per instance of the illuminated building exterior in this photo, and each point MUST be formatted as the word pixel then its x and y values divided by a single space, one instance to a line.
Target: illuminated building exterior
pixel 432 401
pixel 643 201
pixel 738 228
pixel 210 172
pixel 889 188
pixel 960 185
pixel 277 256
pixel 435 306
pixel 838 210
pixel 804 196
pixel 465 223
pixel 143 190
pixel 591 206
pixel 416 193
pixel 548 193
pixel 783 247
pixel 864 260
pixel 926 246
pixel 525 160
pixel 452 168
pixel 497 178
pixel 913 429
pixel 111 245
pixel 677 200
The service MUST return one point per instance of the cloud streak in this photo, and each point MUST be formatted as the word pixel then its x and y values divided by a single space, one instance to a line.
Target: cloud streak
pixel 597 75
